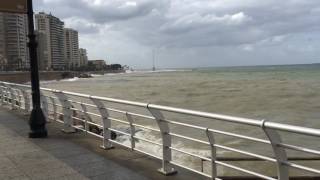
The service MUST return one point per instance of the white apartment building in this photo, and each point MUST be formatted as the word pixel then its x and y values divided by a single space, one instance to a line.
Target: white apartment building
pixel 14 53
pixel 51 40
pixel 71 44
pixel 83 57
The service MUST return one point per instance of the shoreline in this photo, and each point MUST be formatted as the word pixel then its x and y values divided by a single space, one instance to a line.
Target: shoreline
pixel 24 76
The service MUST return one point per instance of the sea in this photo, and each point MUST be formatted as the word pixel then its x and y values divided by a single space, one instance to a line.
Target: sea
pixel 287 94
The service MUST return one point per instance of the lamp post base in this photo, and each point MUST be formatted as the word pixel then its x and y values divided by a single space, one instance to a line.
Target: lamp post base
pixel 37 124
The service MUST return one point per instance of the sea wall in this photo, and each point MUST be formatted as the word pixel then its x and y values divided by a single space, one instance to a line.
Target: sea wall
pixel 23 77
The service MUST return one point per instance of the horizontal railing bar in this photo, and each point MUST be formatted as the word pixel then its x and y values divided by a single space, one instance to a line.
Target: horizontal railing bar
pixel 206 115
pixel 95 124
pixel 94 114
pixel 293 129
pixel 83 103
pixel 300 167
pixel 78 128
pixel 118 143
pixel 140 115
pixel 78 119
pixel 47 96
pixel 146 127
pixel 184 124
pixel 146 140
pixel 149 154
pixel 272 125
pixel 192 170
pixel 258 159
pixel 89 122
pixel 120 132
pixel 135 137
pixel 114 110
pixel 94 134
pixel 56 120
pixel 191 154
pixel 135 149
pixel 297 148
pixel 189 138
pixel 118 120
pixel 245 153
pixel 55 104
pixel 98 98
pixel 15 94
pixel 239 136
pixel 244 170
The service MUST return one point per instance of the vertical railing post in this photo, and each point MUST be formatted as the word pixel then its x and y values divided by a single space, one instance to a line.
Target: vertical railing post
pixel 12 97
pixel 54 108
pixel 279 152
pixel 213 154
pixel 18 95
pixel 1 94
pixel 166 169
pixel 26 99
pixel 67 112
pixel 106 124
pixel 4 94
pixel 44 105
pixel 86 116
pixel 132 130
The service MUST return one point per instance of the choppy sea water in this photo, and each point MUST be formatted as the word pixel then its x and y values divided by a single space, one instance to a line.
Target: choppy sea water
pixel 286 94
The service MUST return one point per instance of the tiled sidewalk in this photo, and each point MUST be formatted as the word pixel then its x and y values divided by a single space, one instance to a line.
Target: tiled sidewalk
pixel 23 158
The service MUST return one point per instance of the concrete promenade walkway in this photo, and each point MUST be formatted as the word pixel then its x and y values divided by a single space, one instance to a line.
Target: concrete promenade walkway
pixel 68 156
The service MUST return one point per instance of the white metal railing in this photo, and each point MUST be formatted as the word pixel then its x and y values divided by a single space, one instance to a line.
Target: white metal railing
pixel 99 112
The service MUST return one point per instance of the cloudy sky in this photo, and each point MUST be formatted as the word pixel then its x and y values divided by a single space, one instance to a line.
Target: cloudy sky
pixel 194 33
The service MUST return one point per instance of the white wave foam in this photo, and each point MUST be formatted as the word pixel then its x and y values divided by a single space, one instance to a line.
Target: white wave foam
pixel 71 79
pixel 181 158
pixel 96 75
pixel 159 71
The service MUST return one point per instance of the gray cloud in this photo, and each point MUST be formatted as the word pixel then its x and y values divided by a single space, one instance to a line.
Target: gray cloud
pixel 200 29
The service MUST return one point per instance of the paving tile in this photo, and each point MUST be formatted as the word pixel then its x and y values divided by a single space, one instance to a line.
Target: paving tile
pixel 119 176
pixel 82 159
pixel 23 177
pixel 69 177
pixel 53 174
pixel 65 152
pixel 31 158
pixel 96 168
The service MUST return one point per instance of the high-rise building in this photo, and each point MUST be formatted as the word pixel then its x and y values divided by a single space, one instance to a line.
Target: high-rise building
pixel 71 44
pixel 13 41
pixel 51 42
pixel 83 57
pixel 3 57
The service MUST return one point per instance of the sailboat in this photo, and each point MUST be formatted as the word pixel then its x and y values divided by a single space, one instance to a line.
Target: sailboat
pixel 153 60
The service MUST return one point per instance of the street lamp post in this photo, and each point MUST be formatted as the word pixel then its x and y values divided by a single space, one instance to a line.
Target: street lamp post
pixel 37 119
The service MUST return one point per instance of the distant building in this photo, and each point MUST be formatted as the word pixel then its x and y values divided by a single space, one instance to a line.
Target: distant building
pixel 14 54
pixel 71 44
pixel 83 57
pixel 3 57
pixel 98 64
pixel 52 41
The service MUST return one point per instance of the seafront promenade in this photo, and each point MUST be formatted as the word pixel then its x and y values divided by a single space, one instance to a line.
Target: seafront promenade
pixel 68 156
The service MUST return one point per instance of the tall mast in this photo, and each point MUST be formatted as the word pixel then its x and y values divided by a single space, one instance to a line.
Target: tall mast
pixel 153 60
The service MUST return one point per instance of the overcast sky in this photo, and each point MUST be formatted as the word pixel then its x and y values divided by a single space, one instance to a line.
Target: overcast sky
pixel 193 33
